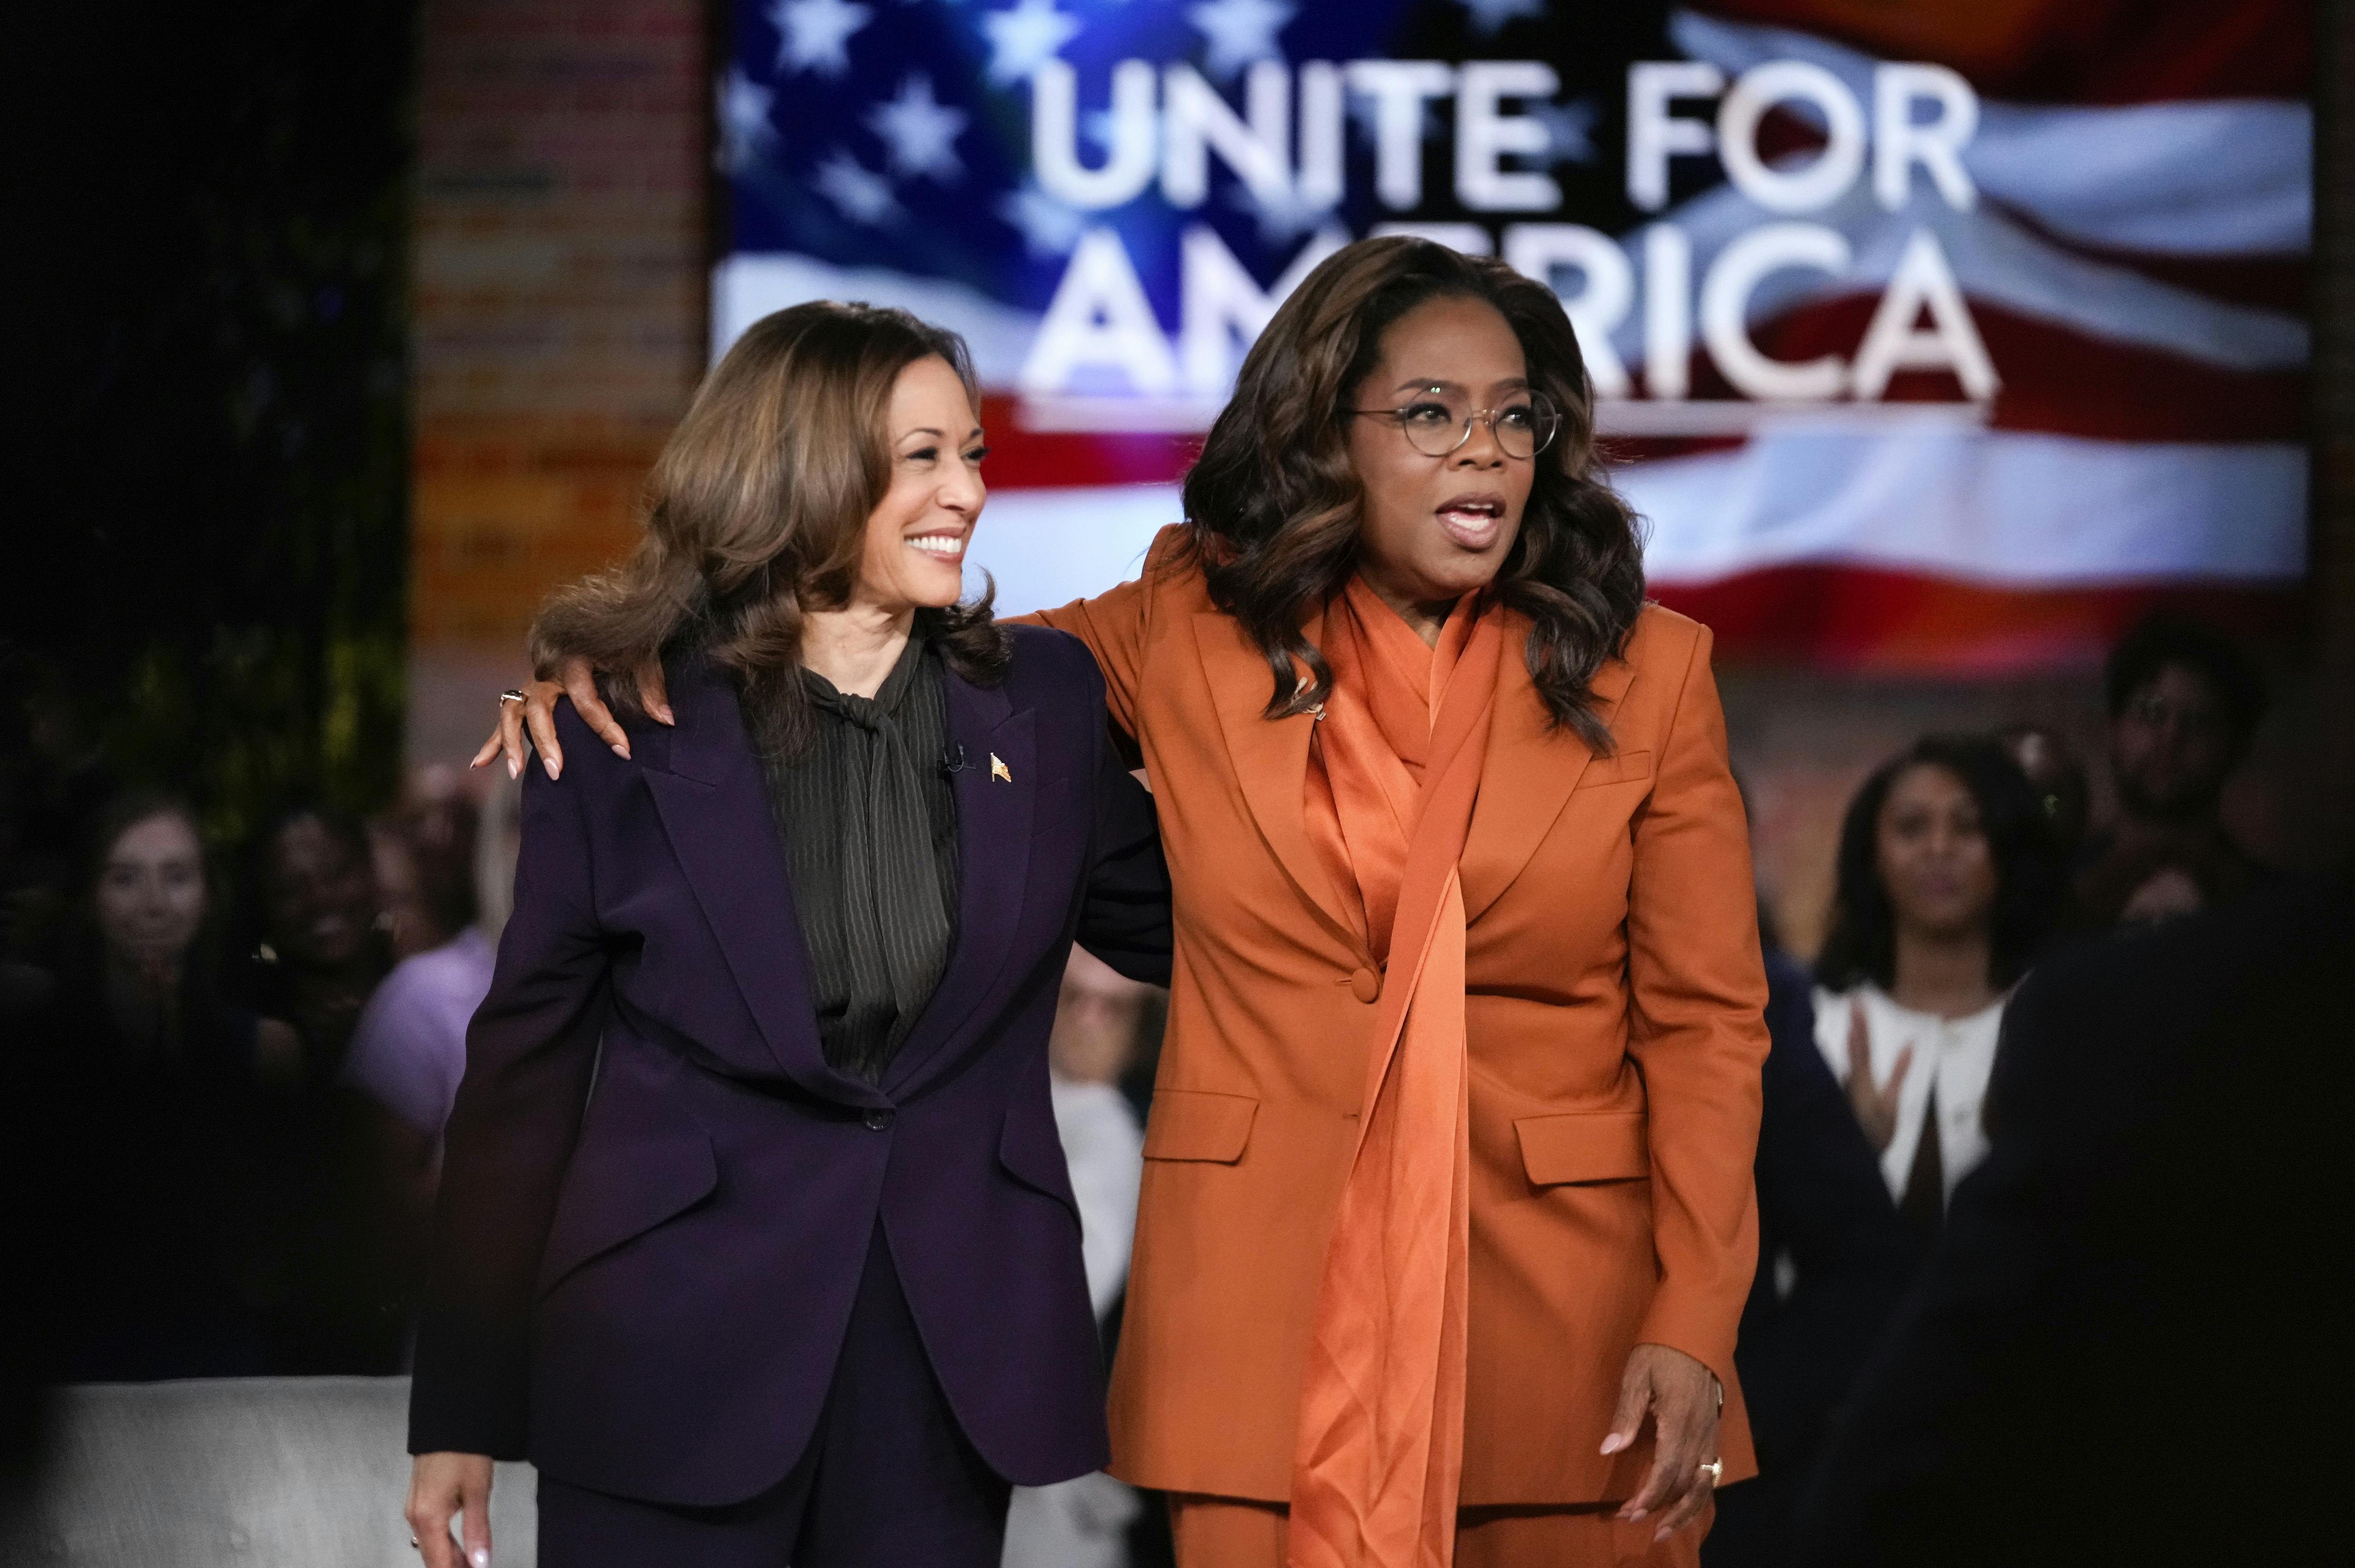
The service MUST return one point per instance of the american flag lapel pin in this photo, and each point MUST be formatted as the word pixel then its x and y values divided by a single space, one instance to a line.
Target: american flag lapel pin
pixel 999 770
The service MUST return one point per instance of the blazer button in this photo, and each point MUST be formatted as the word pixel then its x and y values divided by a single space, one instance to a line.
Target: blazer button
pixel 878 1120
pixel 1366 986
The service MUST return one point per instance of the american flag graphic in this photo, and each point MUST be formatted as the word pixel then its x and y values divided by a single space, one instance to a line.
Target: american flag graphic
pixel 1932 338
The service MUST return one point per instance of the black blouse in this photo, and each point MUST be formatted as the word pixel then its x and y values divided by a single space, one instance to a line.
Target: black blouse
pixel 869 821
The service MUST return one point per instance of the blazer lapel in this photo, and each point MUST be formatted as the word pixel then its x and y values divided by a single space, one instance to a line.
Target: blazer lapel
pixel 714 809
pixel 994 813
pixel 1270 758
pixel 1530 771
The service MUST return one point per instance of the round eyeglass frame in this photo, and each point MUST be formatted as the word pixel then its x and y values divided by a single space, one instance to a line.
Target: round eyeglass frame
pixel 1538 404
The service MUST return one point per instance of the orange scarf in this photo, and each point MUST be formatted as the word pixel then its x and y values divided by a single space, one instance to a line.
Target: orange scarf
pixel 1396 767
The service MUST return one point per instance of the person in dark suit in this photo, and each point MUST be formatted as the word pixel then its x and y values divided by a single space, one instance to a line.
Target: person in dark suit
pixel 755 1234
pixel 1833 1259
pixel 2124 1349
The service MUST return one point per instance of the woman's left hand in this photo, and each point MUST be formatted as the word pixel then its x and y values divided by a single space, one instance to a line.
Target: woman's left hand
pixel 1683 1397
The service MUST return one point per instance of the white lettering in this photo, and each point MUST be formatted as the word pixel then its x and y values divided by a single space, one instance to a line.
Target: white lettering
pixel 1892 343
pixel 1606 289
pixel 1667 313
pixel 1100 319
pixel 1821 180
pixel 1323 147
pixel 1485 133
pixel 1899 142
pixel 1196 120
pixel 1399 88
pixel 1468 238
pixel 1654 135
pixel 1223 303
pixel 1054 136
pixel 1725 308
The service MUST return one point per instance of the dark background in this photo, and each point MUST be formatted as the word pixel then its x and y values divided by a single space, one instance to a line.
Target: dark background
pixel 208 334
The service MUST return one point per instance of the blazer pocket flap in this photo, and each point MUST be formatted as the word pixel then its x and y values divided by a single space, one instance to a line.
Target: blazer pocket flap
pixel 1589 1145
pixel 1617 768
pixel 615 1194
pixel 1192 1124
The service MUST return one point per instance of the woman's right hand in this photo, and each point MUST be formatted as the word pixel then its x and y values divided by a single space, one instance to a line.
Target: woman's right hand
pixel 1875 1103
pixel 535 716
pixel 446 1486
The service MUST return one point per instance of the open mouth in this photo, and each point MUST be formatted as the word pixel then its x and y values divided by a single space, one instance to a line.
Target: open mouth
pixel 939 546
pixel 1473 522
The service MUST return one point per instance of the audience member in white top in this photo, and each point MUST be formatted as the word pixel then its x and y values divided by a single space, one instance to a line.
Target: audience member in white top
pixel 1908 1054
pixel 1084 1523
pixel 1947 886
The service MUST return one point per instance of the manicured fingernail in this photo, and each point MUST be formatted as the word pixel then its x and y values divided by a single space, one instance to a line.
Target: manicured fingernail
pixel 621 750
pixel 1637 1514
pixel 1612 1444
pixel 550 764
pixel 515 769
pixel 480 1557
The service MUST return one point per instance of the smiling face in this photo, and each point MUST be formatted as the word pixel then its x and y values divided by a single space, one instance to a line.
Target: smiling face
pixel 151 892
pixel 319 895
pixel 1435 528
pixel 912 554
pixel 1933 853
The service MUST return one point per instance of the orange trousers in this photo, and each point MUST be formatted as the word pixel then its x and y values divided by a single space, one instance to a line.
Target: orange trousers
pixel 1231 1532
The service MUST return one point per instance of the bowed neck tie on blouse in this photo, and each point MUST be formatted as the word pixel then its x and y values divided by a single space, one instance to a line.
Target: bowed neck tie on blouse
pixel 1378 1459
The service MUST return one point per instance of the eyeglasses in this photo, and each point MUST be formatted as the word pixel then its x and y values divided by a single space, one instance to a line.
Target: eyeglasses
pixel 1437 425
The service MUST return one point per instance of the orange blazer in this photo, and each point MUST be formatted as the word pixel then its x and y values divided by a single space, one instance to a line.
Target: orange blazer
pixel 1615 1012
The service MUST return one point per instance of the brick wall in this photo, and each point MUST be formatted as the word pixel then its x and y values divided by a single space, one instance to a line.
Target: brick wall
pixel 559 314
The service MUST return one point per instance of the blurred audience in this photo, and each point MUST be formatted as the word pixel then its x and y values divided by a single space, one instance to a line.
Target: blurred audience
pixel 1946 891
pixel 1833 1259
pixel 321 945
pixel 2122 1353
pixel 2184 703
pixel 2059 779
pixel 161 1101
pixel 409 1048
pixel 1101 1019
pixel 1097 1021
pixel 142 995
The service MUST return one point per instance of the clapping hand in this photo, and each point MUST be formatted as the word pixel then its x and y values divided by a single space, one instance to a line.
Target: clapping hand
pixel 1875 1103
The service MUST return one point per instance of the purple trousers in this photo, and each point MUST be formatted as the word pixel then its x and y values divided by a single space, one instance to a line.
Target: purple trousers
pixel 888 1476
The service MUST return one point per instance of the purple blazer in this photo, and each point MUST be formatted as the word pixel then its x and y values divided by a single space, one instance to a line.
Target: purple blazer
pixel 656 1196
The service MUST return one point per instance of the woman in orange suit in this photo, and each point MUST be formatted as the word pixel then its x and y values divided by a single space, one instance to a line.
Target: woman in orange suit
pixel 1447 1217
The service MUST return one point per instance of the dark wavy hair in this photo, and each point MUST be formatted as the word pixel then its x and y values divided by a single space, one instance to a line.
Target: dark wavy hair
pixel 1271 505
pixel 1862 943
pixel 757 509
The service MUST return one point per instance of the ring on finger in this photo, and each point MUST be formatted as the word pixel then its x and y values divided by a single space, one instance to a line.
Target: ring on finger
pixel 511 695
pixel 1714 1470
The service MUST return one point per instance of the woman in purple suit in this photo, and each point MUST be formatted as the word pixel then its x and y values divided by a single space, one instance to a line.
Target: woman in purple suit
pixel 754 1233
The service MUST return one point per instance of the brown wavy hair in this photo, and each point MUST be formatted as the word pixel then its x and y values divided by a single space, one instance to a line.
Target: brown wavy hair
pixel 757 510
pixel 1272 506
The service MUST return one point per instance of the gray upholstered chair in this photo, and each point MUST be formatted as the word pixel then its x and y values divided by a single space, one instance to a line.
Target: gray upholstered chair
pixel 240 1473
